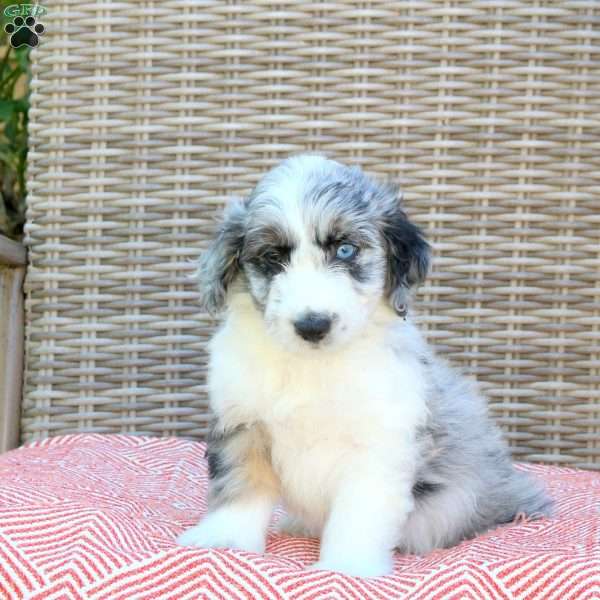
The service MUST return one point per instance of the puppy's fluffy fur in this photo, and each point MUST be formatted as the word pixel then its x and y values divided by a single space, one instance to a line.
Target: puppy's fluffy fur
pixel 328 399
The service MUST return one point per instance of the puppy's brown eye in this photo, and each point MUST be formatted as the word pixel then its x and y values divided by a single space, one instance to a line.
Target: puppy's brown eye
pixel 272 260
pixel 277 254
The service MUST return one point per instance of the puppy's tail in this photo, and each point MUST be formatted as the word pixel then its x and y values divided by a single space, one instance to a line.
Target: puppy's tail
pixel 531 499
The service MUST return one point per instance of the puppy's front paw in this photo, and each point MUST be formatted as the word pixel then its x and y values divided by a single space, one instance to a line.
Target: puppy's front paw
pixel 217 531
pixel 357 566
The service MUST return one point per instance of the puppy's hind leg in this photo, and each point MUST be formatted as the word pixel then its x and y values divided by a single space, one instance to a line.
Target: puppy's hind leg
pixel 243 491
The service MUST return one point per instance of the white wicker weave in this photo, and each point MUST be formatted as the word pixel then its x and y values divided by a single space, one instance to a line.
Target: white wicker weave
pixel 147 115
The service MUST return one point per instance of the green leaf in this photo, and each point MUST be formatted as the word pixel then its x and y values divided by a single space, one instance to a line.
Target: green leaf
pixel 7 109
pixel 5 62
pixel 10 130
pixel 22 55
pixel 14 107
pixel 21 105
pixel 7 85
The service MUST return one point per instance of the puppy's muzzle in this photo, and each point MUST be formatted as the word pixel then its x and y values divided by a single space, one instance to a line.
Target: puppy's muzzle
pixel 313 327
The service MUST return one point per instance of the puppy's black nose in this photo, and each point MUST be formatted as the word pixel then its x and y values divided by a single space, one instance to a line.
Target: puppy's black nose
pixel 313 327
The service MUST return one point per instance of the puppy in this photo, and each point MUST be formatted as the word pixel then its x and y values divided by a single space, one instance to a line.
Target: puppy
pixel 326 396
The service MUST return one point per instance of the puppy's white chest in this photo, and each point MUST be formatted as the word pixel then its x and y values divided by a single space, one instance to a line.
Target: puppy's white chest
pixel 309 465
pixel 325 412
pixel 312 428
pixel 332 418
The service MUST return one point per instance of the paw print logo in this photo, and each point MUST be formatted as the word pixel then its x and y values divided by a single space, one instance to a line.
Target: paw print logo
pixel 24 32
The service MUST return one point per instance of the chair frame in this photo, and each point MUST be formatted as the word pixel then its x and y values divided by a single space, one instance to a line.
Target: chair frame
pixel 13 263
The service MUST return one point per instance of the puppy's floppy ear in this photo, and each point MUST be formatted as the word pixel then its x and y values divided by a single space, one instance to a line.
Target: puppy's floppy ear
pixel 408 255
pixel 220 263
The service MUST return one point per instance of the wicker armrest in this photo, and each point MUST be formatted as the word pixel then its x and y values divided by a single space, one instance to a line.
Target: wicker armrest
pixel 13 259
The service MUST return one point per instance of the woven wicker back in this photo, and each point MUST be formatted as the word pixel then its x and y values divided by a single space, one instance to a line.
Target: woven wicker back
pixel 148 115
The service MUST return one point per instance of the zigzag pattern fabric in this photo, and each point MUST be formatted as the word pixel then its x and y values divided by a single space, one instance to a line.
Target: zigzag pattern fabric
pixel 96 516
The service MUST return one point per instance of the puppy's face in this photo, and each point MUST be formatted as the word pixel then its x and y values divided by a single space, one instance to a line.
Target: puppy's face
pixel 318 245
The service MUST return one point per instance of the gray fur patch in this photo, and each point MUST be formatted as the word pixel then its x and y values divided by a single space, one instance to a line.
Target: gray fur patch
pixel 219 264
pixel 238 458
pixel 472 485
pixel 219 464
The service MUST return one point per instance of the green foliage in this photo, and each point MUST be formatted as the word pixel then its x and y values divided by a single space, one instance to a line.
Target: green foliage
pixel 14 106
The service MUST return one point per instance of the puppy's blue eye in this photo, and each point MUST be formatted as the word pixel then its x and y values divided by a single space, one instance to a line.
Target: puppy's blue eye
pixel 346 251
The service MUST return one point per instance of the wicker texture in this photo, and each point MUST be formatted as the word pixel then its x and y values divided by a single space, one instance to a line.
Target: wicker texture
pixel 147 115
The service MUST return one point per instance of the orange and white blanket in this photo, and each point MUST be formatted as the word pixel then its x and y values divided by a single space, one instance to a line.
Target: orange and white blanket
pixel 96 516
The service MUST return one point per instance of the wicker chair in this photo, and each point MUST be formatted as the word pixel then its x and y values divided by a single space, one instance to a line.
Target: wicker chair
pixel 144 122
pixel 147 116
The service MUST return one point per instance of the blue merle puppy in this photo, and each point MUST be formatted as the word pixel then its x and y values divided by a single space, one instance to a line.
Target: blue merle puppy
pixel 325 394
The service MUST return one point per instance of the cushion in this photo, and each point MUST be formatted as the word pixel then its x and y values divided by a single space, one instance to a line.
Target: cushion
pixel 96 516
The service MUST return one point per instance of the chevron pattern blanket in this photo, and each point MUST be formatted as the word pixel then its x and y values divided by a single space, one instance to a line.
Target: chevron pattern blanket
pixel 94 516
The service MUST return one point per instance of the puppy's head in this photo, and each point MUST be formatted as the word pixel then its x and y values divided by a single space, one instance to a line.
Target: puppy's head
pixel 317 245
